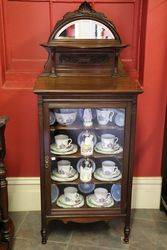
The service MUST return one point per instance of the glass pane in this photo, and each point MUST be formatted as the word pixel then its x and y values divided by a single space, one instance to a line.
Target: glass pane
pixel 86 157
pixel 85 29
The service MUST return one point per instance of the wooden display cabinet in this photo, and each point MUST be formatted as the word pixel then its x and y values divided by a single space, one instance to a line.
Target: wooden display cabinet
pixel 85 75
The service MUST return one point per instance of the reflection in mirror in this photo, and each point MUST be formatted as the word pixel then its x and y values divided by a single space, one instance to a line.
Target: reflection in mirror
pixel 84 29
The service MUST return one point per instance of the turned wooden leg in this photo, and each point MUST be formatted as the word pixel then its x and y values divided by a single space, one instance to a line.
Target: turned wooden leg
pixel 44 236
pixel 4 210
pixel 126 233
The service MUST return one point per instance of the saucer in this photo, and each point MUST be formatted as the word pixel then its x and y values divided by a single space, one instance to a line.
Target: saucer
pixel 99 175
pixel 116 192
pixel 92 202
pixel 71 150
pixel 56 176
pixel 55 148
pixel 115 150
pixel 79 163
pixel 54 193
pixel 62 202
pixel 86 188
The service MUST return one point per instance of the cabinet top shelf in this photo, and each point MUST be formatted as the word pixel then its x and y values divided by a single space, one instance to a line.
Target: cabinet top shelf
pixel 84 43
pixel 87 84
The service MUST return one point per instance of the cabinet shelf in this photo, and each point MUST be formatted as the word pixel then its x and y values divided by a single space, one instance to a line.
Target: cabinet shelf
pixel 81 127
pixel 78 181
pixel 95 155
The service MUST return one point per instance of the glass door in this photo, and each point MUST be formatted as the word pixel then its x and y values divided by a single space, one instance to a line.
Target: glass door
pixel 86 146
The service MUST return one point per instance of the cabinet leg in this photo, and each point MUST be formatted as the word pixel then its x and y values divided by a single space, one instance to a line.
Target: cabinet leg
pixel 6 233
pixel 126 233
pixel 4 209
pixel 44 236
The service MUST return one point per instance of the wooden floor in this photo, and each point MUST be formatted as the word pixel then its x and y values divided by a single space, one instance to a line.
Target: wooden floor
pixel 149 232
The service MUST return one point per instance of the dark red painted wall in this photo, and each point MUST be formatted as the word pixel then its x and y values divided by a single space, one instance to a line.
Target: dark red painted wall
pixel 24 25
pixel 152 104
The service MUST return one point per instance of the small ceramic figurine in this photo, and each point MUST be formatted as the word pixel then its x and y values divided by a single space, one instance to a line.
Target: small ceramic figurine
pixel 87 117
pixel 86 171
pixel 87 144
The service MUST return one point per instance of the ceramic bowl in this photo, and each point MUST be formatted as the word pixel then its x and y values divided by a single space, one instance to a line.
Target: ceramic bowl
pixel 66 118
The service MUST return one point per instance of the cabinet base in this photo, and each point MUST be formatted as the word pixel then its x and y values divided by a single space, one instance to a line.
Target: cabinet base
pixel 44 231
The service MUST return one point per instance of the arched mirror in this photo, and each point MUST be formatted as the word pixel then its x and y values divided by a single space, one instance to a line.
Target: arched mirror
pixel 84 29
pixel 83 42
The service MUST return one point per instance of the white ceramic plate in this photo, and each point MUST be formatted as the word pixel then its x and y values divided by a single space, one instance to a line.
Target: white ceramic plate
pixel 61 202
pixel 91 202
pixel 98 174
pixel 72 151
pixel 54 148
pixel 118 149
pixel 56 177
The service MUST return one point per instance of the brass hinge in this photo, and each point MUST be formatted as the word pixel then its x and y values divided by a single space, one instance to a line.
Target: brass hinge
pixel 46 161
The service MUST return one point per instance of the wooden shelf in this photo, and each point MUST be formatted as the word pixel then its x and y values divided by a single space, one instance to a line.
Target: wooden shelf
pixel 78 181
pixel 81 127
pixel 84 43
pixel 95 155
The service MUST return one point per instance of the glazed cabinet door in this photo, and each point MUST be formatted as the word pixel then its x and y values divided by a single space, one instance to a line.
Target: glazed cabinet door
pixel 86 157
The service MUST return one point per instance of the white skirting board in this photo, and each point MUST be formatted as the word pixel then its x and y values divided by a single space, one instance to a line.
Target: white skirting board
pixel 24 193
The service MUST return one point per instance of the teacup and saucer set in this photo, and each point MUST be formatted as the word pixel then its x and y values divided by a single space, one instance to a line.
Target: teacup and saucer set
pixel 108 172
pixel 100 198
pixel 108 145
pixel 70 199
pixel 64 172
pixel 63 145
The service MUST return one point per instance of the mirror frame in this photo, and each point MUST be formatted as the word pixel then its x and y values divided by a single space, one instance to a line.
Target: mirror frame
pixel 85 11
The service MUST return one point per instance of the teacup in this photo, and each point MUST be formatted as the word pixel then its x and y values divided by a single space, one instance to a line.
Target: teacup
pixel 71 194
pixel 108 141
pixel 101 194
pixel 104 116
pixel 62 141
pixel 109 167
pixel 64 167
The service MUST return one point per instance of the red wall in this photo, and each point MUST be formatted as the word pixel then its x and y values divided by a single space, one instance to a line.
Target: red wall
pixel 24 25
pixel 151 105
